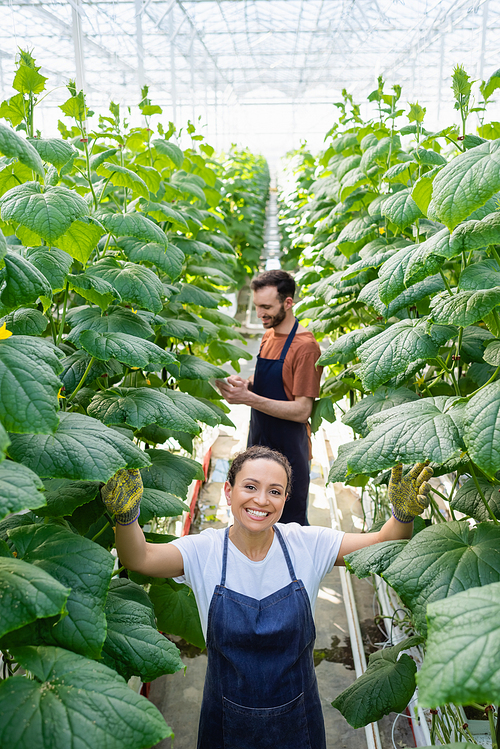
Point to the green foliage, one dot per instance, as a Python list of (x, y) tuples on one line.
[(121, 248)]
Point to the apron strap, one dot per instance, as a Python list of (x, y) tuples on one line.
[(286, 554), (288, 343), (224, 559)]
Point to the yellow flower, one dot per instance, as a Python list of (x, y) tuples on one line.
[(381, 230), (60, 395), (4, 333), (134, 310)]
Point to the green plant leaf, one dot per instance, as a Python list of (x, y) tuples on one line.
[(392, 274), (78, 564), (139, 407), (49, 214), (120, 176), (428, 257), (13, 146), (475, 343), (29, 384), (194, 407), (409, 297), (441, 561), (99, 158), (132, 225), (176, 611), (373, 560), (391, 352), (465, 307), (182, 330), (150, 175), (134, 283), (482, 428), (75, 366), (28, 593), (192, 294), (383, 399), (20, 488), (91, 697), (53, 151), (492, 353), (355, 234), (171, 473), (25, 322), (63, 496), (164, 212), (170, 259), (401, 209), (24, 282), (53, 263), (94, 289), (471, 235), (81, 238), (193, 368), (426, 429), (422, 189), (386, 686), (81, 448), (479, 276), (160, 504), (127, 349), (115, 320), (468, 500), (465, 184), (322, 409), (344, 349), (464, 631), (166, 148)]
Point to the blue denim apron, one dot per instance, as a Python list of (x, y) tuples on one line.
[(288, 437), (260, 687)]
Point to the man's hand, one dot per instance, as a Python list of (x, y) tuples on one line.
[(122, 495), (409, 495), (235, 390)]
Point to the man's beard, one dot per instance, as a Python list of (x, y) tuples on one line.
[(278, 318)]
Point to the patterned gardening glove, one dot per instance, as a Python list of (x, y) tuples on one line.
[(409, 495), (122, 495)]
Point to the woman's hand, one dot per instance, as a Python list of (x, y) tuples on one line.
[(122, 495), (409, 495)]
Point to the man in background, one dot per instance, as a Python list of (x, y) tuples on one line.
[(282, 390)]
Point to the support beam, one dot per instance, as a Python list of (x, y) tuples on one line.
[(173, 91), (483, 41), (140, 46), (78, 45)]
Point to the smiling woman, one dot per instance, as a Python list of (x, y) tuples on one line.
[(256, 585)]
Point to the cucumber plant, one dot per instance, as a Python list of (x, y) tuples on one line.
[(115, 260), (401, 270)]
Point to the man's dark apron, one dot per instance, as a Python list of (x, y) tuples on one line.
[(288, 437), (260, 687)]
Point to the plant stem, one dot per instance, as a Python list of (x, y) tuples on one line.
[(493, 377), (117, 572), (63, 318), (99, 533), (493, 731), (445, 281), (481, 494), (80, 384)]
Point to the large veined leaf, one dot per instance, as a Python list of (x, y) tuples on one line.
[(191, 294), (223, 352), (127, 349), (81, 448), (474, 342), (390, 353), (139, 407), (94, 289), (428, 257), (383, 399), (392, 274), (464, 634), (401, 209), (29, 322), (465, 307), (422, 189), (81, 238), (339, 470), (169, 259), (53, 150), (427, 429), (482, 428), (354, 235), (75, 367), (193, 368), (344, 349), (134, 283), (164, 212), (469, 501), (28, 593), (29, 384), (180, 329), (386, 686), (465, 184), (471, 235), (443, 560), (49, 214), (373, 560), (24, 282), (170, 473), (409, 297), (133, 644), (132, 225), (81, 700), (78, 564), (115, 320), (194, 407), (98, 158), (12, 145), (63, 496), (120, 176), (176, 611), (20, 488), (150, 175), (155, 503), (53, 263), (166, 148), (482, 275)]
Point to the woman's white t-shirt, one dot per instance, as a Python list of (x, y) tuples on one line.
[(313, 551)]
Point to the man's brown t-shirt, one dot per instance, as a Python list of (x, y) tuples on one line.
[(300, 376)]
